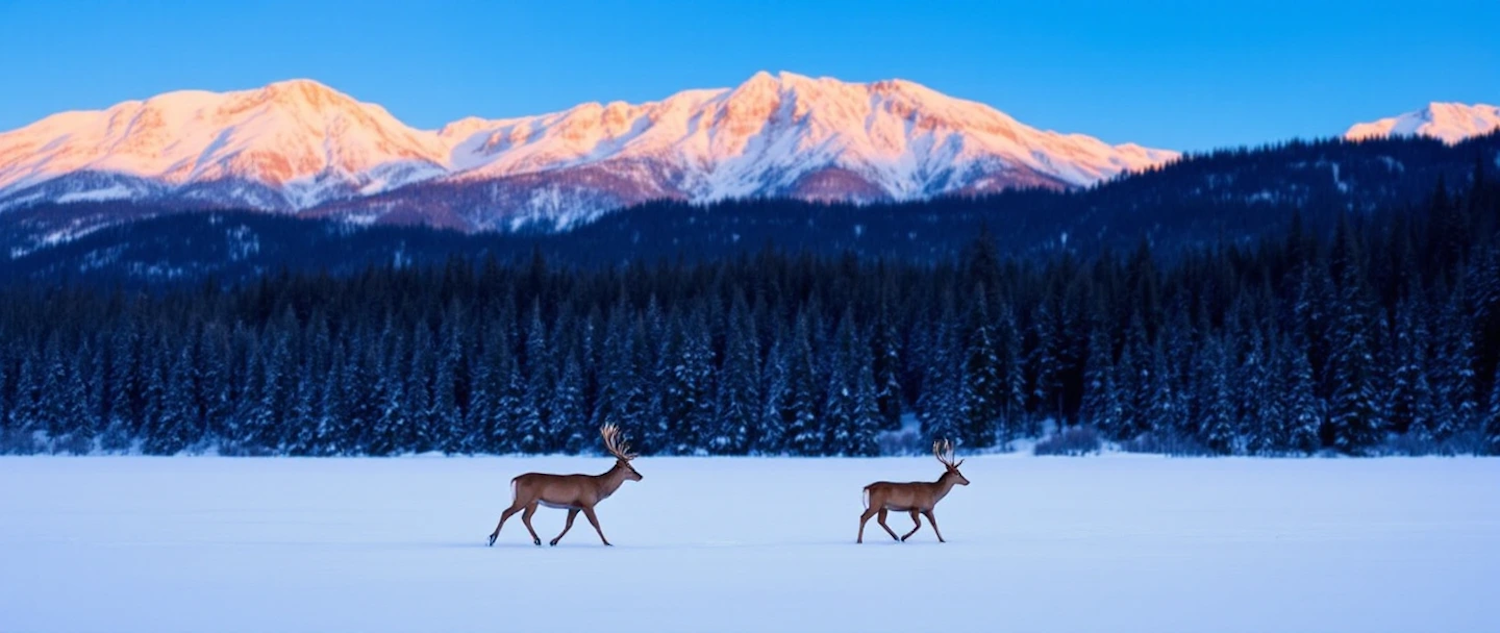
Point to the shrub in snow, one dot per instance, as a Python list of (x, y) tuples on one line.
[(907, 441), (1167, 444), (1078, 440), (1415, 444)]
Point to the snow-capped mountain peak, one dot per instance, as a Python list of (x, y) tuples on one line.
[(291, 144), (1448, 122), (298, 144), (788, 134)]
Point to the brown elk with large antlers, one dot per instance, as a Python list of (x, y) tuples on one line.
[(576, 493), (917, 497)]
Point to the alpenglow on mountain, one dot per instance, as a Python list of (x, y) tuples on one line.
[(1448, 122), (301, 147)]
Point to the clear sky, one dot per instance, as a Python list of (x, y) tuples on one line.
[(1182, 75)]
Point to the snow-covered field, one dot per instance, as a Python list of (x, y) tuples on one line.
[(1117, 543)]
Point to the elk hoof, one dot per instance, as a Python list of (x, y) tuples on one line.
[(537, 542), (492, 540), (552, 543)]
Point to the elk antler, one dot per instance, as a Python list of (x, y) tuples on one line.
[(943, 451), (614, 442)]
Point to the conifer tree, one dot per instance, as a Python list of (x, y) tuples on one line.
[(1453, 373), (1101, 400), (1490, 441), (983, 391), (803, 433), (1216, 398), (886, 366), (1305, 412), (775, 415), (1355, 411), (737, 404), (568, 424), (938, 407)]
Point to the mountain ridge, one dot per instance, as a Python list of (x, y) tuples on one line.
[(299, 145), (1449, 122)]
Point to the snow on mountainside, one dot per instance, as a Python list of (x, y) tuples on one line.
[(290, 145), (1448, 122), (299, 145)]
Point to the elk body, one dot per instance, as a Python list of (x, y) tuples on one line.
[(575, 493), (916, 498)]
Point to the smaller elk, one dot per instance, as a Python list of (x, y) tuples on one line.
[(576, 493), (915, 497)]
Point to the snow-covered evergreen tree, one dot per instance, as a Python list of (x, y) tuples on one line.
[(938, 406), (444, 416), (738, 401), (1169, 411), (1452, 373), (885, 345), (7, 438), (1046, 361), (983, 392), (804, 434), (1135, 379), (172, 416), (621, 395), (1253, 380), (568, 423), (418, 433), (333, 417), (1218, 425), (770, 435), (850, 411), (1305, 412), (77, 413), (1490, 442), (480, 413), (302, 420), (1355, 405), (1014, 420), (1411, 394), (1098, 407), (532, 432), (511, 406)]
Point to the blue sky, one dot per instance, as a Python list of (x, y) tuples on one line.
[(1167, 74)]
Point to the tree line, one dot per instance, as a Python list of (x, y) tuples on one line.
[(1378, 335)]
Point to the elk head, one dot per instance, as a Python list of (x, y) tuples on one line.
[(943, 451), (617, 446)]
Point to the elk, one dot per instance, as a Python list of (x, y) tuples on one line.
[(576, 493), (917, 497)]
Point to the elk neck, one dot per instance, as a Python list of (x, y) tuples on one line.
[(944, 484), (611, 480)]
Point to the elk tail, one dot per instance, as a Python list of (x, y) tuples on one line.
[(865, 498)]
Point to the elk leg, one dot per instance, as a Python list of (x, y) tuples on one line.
[(526, 518), (933, 520), (594, 521), (915, 518), (572, 514), (888, 529), (509, 512), (869, 512)]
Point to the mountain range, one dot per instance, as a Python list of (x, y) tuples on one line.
[(299, 147), (1448, 122)]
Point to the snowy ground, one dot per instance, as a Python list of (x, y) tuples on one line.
[(1118, 543)]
